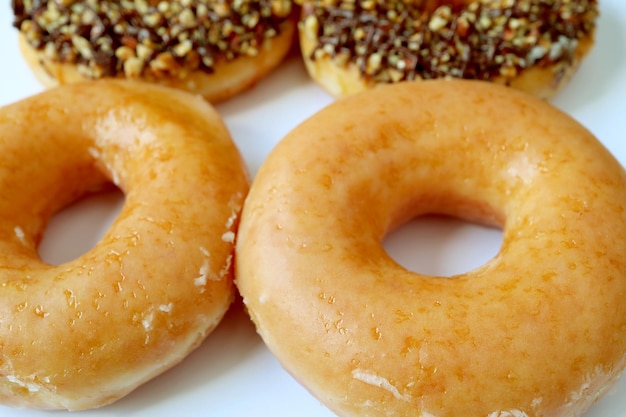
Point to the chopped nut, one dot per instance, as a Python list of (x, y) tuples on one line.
[(133, 67), (50, 51), (183, 48), (484, 22), (124, 53), (280, 7), (187, 18), (152, 19), (373, 63), (83, 46), (311, 24), (437, 23), (508, 72), (144, 52)]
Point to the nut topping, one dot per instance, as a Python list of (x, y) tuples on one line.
[(391, 40), (148, 38)]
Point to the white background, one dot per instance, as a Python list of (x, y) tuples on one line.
[(232, 374)]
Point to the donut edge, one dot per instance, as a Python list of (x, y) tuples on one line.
[(228, 80)]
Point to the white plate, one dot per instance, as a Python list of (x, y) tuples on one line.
[(232, 374)]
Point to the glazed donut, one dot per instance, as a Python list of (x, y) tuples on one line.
[(87, 332), (533, 45), (216, 49), (536, 331)]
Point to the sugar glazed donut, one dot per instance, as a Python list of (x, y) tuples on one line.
[(533, 45), (213, 48), (539, 330), (84, 333)]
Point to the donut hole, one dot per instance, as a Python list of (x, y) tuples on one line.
[(76, 228), (442, 246)]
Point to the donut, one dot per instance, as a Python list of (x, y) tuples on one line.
[(215, 49), (532, 45), (84, 333), (538, 330)]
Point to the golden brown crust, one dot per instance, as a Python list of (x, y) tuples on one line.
[(536, 331), (87, 332), (229, 78), (338, 71)]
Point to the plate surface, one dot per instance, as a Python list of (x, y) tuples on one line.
[(232, 374)]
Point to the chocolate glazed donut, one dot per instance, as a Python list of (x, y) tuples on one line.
[(533, 45), (216, 49)]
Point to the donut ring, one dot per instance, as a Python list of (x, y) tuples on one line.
[(85, 333), (532, 45), (538, 330), (215, 49)]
